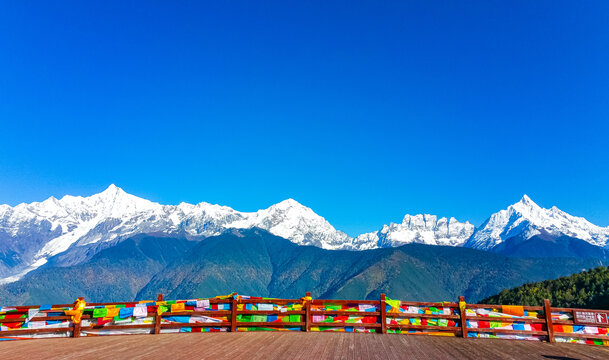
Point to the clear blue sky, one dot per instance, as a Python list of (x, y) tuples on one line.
[(363, 111)]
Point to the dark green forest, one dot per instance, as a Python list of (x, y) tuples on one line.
[(587, 289)]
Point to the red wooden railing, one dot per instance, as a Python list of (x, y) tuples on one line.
[(381, 316)]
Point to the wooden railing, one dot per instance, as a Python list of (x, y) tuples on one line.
[(236, 313)]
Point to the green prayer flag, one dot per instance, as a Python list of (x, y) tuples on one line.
[(259, 318), (244, 318), (97, 313)]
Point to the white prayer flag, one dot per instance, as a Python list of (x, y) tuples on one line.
[(203, 303), (265, 307)]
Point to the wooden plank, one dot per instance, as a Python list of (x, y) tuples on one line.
[(118, 327), (26, 313), (485, 306), (37, 318), (210, 324), (211, 301), (308, 313), (26, 307), (342, 324), (204, 313), (34, 331), (563, 322), (264, 312), (504, 319), (220, 301), (509, 331), (157, 318), (76, 329), (116, 303), (548, 315), (422, 316), (425, 327), (341, 313), (269, 301), (344, 302), (430, 304), (463, 316), (269, 324), (76, 325), (233, 318), (583, 336), (383, 307)]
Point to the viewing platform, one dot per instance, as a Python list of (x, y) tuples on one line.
[(293, 345)]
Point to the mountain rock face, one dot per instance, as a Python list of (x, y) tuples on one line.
[(255, 262), (525, 220), (418, 229)]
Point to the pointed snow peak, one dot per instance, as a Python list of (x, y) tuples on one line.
[(51, 200), (526, 200), (287, 203), (113, 190), (113, 194), (526, 205)]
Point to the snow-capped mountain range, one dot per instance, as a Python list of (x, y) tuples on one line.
[(32, 234)]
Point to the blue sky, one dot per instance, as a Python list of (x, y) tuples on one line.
[(362, 111)]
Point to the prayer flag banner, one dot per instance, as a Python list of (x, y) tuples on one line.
[(305, 314)]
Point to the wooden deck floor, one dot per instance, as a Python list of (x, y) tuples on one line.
[(268, 345)]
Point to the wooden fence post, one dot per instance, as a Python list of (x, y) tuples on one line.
[(76, 325), (233, 318), (549, 324), (157, 316), (308, 313), (463, 316), (383, 315)]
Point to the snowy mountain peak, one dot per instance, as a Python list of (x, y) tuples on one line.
[(296, 222), (526, 201), (526, 219), (112, 189), (527, 206), (422, 228), (288, 203)]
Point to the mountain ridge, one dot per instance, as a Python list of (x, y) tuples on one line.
[(255, 262), (72, 229)]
